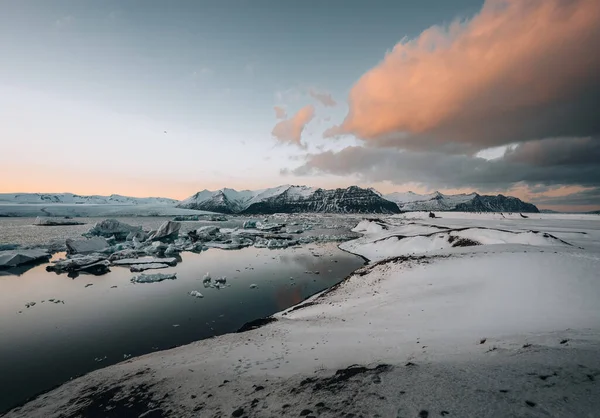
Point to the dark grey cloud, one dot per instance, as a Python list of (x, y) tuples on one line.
[(557, 151), (532, 164), (583, 198)]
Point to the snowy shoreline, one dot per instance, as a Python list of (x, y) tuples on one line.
[(496, 329)]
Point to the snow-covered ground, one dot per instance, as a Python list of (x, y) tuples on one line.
[(505, 324)]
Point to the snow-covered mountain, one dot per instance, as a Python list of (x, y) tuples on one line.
[(70, 198), (291, 199), (472, 202)]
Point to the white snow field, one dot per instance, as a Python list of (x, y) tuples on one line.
[(508, 327)]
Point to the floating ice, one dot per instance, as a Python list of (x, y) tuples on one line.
[(153, 278), (253, 286), (55, 222), (13, 258), (167, 231), (93, 264), (250, 224), (171, 261), (136, 268), (196, 294), (110, 227), (83, 246)]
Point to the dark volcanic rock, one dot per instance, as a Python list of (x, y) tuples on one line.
[(498, 203), (350, 200)]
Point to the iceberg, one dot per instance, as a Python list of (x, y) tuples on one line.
[(93, 264), (110, 227), (39, 221), (91, 245), (137, 235), (136, 268), (171, 261), (250, 224), (13, 258), (167, 231), (153, 278), (196, 294)]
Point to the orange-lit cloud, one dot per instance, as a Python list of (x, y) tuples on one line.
[(518, 70), (324, 98), (280, 112), (290, 130)]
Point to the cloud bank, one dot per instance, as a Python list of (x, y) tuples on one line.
[(519, 70)]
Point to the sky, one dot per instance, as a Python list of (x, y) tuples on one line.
[(162, 98)]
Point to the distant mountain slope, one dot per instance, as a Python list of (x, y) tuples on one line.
[(57, 198), (472, 202), (291, 199)]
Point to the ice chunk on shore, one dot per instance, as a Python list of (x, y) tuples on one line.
[(136, 268), (153, 278), (167, 231), (109, 227), (196, 294), (13, 258), (83, 246)]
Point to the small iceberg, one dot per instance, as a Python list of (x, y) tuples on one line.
[(153, 278), (196, 294)]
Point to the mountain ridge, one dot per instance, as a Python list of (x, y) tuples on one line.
[(297, 199)]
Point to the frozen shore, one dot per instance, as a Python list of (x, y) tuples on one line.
[(508, 325)]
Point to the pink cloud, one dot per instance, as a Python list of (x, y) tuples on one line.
[(518, 70), (280, 112), (290, 130)]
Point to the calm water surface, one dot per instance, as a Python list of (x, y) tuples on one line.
[(98, 325)]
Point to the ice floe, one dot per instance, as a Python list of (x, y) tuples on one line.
[(153, 278), (196, 294), (14, 258), (83, 246), (136, 268), (40, 221)]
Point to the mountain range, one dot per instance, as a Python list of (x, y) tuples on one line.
[(292, 199), (471, 202), (295, 199)]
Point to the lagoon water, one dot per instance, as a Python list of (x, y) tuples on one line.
[(105, 319)]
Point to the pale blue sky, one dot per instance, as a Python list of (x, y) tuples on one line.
[(88, 87)]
